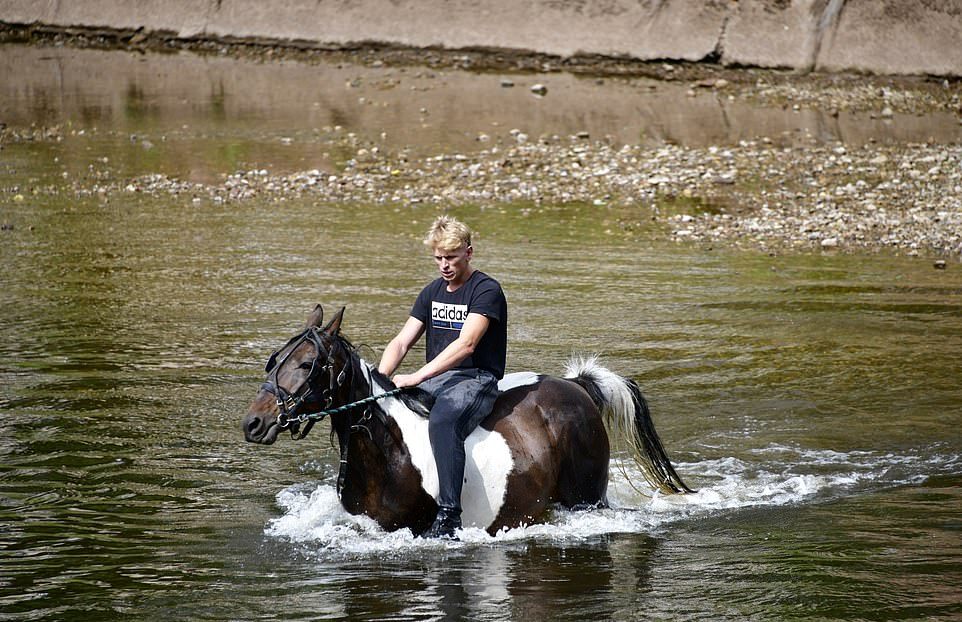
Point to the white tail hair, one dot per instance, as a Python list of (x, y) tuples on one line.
[(629, 421)]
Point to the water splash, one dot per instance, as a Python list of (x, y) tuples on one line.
[(315, 521)]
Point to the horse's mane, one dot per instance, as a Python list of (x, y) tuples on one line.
[(414, 399)]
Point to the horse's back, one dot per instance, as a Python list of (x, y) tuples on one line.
[(553, 399)]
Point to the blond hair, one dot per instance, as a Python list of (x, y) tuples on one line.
[(448, 233)]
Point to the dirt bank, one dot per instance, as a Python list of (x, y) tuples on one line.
[(909, 37), (905, 199)]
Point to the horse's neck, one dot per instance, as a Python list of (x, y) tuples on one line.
[(368, 449)]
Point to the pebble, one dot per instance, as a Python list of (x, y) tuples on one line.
[(761, 194), (903, 199)]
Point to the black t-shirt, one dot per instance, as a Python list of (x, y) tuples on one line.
[(444, 313)]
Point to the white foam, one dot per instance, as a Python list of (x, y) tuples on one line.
[(315, 519)]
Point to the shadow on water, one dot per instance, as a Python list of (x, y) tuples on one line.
[(519, 582), (534, 582)]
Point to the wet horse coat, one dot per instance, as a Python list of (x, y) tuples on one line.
[(545, 441)]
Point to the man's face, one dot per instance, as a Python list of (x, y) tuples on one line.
[(454, 266)]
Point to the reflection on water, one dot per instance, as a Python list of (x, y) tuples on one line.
[(521, 576), (812, 399), (197, 117)]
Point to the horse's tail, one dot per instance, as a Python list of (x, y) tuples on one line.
[(626, 411)]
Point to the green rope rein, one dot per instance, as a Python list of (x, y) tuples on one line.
[(304, 418)]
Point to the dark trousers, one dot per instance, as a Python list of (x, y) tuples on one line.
[(463, 398)]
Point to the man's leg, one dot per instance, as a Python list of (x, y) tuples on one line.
[(463, 399)]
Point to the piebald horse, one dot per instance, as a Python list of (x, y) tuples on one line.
[(544, 443)]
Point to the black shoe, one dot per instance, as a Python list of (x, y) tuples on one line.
[(445, 524)]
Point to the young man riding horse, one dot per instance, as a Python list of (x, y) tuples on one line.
[(464, 314)]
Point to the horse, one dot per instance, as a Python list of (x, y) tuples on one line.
[(544, 443)]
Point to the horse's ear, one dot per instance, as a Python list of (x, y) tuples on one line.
[(334, 325), (316, 317)]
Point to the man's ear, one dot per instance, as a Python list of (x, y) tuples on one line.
[(334, 326)]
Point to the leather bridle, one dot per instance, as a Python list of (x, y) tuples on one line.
[(290, 402)]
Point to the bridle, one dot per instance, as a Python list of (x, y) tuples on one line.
[(289, 402)]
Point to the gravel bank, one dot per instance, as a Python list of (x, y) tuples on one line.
[(905, 199), (779, 194)]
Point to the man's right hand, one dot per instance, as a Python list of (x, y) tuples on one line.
[(405, 380)]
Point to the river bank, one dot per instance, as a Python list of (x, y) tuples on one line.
[(833, 92), (698, 153), (905, 199)]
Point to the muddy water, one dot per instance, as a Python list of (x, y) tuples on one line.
[(813, 400)]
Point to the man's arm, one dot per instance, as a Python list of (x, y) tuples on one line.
[(398, 348), (458, 350)]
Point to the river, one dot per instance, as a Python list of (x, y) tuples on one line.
[(813, 399)]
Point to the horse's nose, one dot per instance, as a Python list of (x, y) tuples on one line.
[(253, 428)]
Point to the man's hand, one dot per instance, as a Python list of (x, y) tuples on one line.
[(449, 358), (406, 380)]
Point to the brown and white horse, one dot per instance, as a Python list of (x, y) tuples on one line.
[(544, 443)]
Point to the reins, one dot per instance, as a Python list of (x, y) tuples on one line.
[(285, 421)]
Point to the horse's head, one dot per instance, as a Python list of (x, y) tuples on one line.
[(305, 376)]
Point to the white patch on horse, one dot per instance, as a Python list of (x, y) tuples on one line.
[(486, 471), (487, 465), (517, 379)]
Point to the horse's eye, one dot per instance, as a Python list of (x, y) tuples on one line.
[(306, 365)]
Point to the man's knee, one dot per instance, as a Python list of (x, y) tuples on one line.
[(458, 411)]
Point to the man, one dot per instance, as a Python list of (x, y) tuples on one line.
[(465, 316)]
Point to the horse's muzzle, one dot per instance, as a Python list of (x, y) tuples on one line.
[(260, 425), (260, 429)]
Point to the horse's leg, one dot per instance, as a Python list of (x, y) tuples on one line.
[(583, 477), (530, 486), (382, 483), (531, 483)]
